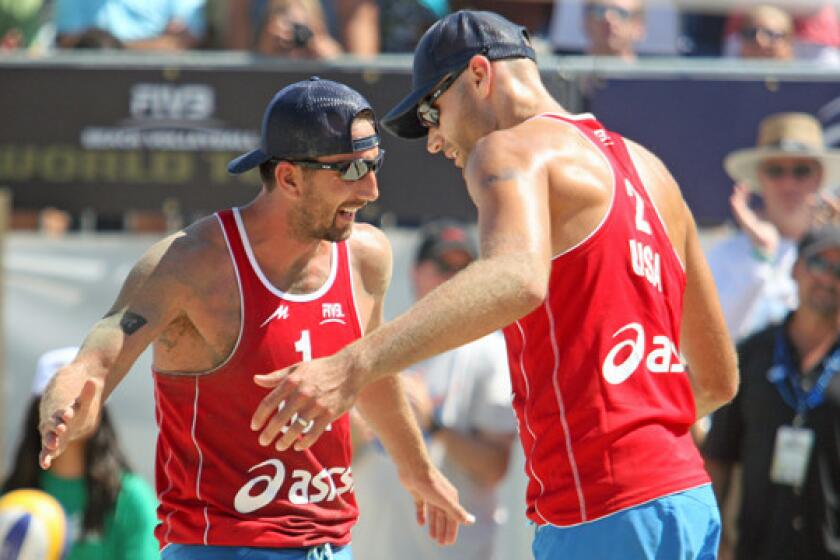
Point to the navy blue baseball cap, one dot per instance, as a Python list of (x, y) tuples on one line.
[(446, 47), (308, 119)]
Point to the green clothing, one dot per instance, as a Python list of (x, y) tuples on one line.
[(24, 15), (129, 530)]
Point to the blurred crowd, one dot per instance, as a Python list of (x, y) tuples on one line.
[(322, 29)]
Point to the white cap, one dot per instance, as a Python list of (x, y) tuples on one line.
[(48, 364)]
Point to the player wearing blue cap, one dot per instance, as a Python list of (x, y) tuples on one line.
[(287, 278), (591, 264)]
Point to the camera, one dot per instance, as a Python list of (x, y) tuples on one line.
[(302, 35)]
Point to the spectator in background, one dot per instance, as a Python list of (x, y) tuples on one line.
[(782, 426), (766, 32), (614, 27), (660, 25), (369, 27), (110, 510), (816, 30), (786, 171), (462, 402), (20, 22), (163, 25), (296, 29)]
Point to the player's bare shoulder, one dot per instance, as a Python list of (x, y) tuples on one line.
[(371, 257)]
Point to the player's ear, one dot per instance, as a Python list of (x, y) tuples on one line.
[(480, 72), (288, 179)]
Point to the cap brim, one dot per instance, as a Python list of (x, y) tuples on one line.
[(402, 120), (247, 161)]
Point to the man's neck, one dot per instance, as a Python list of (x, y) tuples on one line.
[(812, 335), (283, 257)]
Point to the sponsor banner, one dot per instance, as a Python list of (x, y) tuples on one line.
[(84, 136)]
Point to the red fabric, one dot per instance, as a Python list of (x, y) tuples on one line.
[(216, 484), (593, 446)]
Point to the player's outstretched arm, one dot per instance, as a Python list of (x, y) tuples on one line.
[(508, 281), (73, 399)]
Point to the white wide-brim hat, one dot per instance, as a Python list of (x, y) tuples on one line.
[(784, 135)]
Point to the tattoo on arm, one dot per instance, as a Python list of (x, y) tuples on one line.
[(131, 322), (505, 175)]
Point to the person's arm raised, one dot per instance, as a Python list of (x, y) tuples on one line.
[(147, 303), (507, 282)]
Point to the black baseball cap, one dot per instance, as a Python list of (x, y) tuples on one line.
[(440, 237), (818, 240), (308, 119), (446, 47)]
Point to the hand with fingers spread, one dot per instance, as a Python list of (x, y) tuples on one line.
[(304, 399), (436, 504), (65, 418), (763, 234)]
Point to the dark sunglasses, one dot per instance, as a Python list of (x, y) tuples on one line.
[(751, 33), (600, 11), (816, 264), (799, 171), (350, 170), (427, 114)]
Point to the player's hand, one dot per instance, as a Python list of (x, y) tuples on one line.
[(303, 401), (436, 505), (763, 234), (63, 419)]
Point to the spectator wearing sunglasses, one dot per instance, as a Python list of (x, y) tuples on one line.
[(766, 32), (782, 426), (814, 31), (614, 27), (462, 402), (778, 196), (284, 279)]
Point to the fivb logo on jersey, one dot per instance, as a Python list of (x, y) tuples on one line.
[(330, 313)]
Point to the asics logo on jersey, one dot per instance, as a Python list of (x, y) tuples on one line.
[(282, 312), (662, 358), (304, 487), (332, 313), (602, 135)]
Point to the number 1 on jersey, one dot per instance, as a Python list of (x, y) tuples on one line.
[(303, 345)]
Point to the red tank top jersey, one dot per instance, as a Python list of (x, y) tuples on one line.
[(603, 402), (216, 485)]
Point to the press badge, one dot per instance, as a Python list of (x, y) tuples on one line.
[(791, 455)]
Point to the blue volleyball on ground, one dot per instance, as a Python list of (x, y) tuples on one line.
[(32, 526)]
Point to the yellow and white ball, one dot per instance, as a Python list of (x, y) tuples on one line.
[(32, 526)]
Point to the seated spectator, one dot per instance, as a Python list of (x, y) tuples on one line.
[(782, 426), (110, 511), (766, 32), (390, 26), (166, 25), (816, 31), (296, 29), (613, 27), (786, 173), (660, 26), (19, 23)]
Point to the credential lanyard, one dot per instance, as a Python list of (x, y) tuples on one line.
[(785, 376)]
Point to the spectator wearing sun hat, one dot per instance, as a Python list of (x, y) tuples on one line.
[(787, 173)]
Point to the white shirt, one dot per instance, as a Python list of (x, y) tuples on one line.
[(753, 292), (470, 387)]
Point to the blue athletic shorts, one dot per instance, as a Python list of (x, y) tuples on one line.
[(682, 526), (199, 552)]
